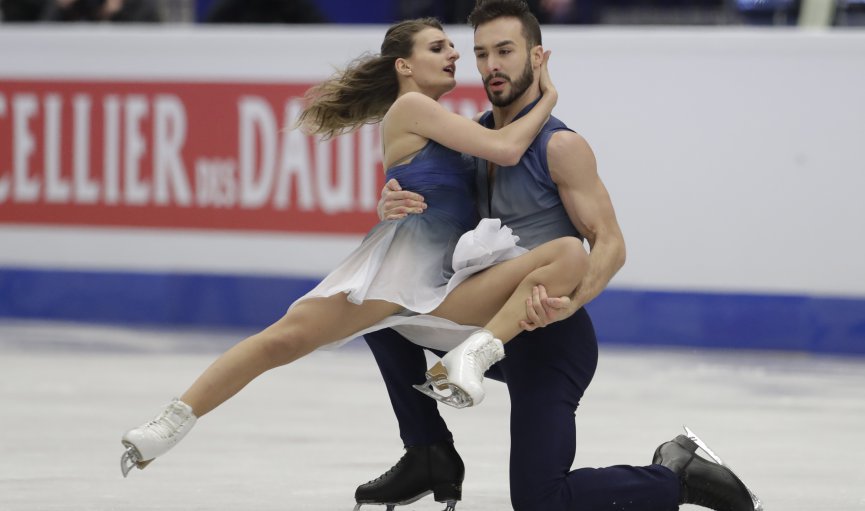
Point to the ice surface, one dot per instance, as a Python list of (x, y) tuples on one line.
[(303, 437)]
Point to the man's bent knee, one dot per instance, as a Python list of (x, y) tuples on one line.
[(532, 499)]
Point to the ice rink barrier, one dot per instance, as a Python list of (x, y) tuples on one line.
[(148, 175)]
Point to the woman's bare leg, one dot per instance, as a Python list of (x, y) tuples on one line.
[(496, 297), (306, 327)]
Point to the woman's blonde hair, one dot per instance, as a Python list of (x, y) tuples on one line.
[(363, 92)]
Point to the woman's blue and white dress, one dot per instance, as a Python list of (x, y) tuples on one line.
[(416, 261)]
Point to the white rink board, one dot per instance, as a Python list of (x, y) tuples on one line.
[(734, 156)]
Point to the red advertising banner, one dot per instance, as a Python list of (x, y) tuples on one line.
[(184, 155)]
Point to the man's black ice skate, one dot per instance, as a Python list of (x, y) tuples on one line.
[(436, 469), (705, 483)]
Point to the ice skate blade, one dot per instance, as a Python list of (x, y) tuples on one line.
[(439, 388), (450, 505), (758, 506), (130, 459), (457, 397)]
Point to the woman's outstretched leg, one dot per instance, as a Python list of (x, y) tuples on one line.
[(307, 326), (496, 299)]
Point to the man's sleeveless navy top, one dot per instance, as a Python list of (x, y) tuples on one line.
[(524, 196)]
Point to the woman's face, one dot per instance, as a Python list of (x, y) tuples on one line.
[(433, 62)]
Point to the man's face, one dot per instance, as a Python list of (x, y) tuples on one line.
[(503, 60)]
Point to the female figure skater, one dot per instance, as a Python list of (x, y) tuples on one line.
[(402, 273)]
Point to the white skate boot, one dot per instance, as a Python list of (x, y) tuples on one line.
[(461, 371), (155, 438)]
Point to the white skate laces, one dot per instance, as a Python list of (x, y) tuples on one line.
[(155, 438), (461, 371)]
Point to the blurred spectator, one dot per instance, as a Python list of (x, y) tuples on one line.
[(768, 12), (547, 11), (851, 13), (447, 11), (22, 10), (669, 12), (582, 12), (137, 11), (264, 11)]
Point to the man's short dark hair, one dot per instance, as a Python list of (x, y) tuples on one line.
[(488, 10)]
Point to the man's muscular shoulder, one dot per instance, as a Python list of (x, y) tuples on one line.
[(570, 157)]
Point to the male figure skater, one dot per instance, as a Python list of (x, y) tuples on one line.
[(554, 191)]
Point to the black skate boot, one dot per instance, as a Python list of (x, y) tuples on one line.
[(422, 470), (705, 483)]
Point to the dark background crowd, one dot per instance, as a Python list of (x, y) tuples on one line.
[(581, 12)]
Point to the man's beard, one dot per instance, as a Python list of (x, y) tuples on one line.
[(518, 87)]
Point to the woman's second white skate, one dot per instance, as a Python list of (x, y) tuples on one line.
[(155, 438), (458, 379)]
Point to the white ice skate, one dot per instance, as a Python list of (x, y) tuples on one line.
[(461, 371), (155, 438)]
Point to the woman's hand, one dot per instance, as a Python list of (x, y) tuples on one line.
[(546, 83)]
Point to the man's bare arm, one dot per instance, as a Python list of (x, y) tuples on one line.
[(574, 170)]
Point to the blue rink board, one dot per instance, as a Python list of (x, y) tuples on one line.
[(623, 316)]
